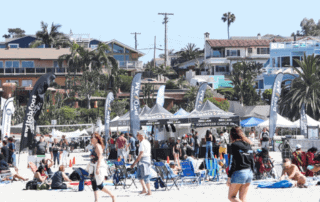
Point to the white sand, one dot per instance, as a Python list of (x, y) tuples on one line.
[(209, 191)]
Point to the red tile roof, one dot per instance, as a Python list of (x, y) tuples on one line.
[(238, 43)]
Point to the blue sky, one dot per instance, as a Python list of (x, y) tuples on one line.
[(106, 20)]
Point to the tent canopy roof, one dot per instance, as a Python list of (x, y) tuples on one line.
[(181, 112), (281, 122), (251, 122), (209, 107), (311, 122)]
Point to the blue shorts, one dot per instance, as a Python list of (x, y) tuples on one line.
[(242, 176), (146, 178)]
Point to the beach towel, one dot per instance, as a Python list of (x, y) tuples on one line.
[(272, 185)]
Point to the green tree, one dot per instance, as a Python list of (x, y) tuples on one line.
[(242, 77), (52, 37), (174, 108), (180, 81), (224, 105), (125, 83), (14, 33), (119, 107), (309, 27), (230, 18), (171, 85), (189, 52), (303, 89), (267, 95), (228, 93), (190, 97)]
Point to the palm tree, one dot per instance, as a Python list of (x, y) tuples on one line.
[(52, 38), (189, 52), (228, 17), (303, 89)]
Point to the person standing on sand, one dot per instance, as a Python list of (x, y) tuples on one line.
[(240, 171)]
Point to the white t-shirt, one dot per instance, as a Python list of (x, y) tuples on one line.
[(145, 146), (226, 135)]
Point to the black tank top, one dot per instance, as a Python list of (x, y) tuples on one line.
[(208, 139), (94, 156), (57, 179)]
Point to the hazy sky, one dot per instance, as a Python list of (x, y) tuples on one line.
[(106, 20)]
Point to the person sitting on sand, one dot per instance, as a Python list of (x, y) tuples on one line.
[(58, 177), (313, 166), (40, 174), (14, 171), (299, 159), (293, 173)]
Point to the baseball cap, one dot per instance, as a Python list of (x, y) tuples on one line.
[(178, 138), (298, 146), (171, 163)]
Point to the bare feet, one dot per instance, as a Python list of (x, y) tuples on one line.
[(148, 194), (26, 179), (113, 198), (143, 192)]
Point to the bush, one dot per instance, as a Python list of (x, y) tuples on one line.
[(228, 93), (224, 104), (171, 85), (125, 83)]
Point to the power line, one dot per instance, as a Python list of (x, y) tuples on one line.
[(165, 21), (135, 39)]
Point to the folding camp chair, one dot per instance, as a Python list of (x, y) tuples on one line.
[(5, 173), (121, 176), (166, 175), (189, 174), (84, 175), (212, 165)]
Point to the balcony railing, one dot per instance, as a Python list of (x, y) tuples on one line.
[(34, 71), (295, 45), (130, 64)]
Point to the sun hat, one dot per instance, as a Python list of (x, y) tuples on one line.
[(298, 146)]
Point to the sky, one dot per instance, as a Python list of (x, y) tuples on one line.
[(106, 20)]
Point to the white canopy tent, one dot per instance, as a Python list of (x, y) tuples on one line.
[(281, 122), (77, 133), (311, 122)]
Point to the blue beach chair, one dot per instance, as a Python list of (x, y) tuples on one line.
[(189, 174), (166, 175)]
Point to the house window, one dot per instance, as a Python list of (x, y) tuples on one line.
[(294, 63), (26, 83), (263, 51), (285, 61), (127, 51), (10, 64), (94, 46), (55, 64), (27, 64), (110, 47), (249, 50), (233, 52), (12, 81), (273, 62), (118, 57), (2, 46), (13, 45), (1, 64), (221, 69), (126, 58), (42, 46), (117, 49)]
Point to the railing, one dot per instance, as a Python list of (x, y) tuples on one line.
[(295, 45), (34, 71), (130, 64)]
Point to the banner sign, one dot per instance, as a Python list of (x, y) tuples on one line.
[(160, 95), (200, 96), (33, 109), (303, 121), (107, 109), (208, 122), (8, 110), (135, 104), (276, 92)]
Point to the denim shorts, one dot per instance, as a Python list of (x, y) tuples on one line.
[(242, 176)]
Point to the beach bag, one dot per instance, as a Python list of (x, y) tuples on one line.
[(74, 176), (31, 185), (43, 186)]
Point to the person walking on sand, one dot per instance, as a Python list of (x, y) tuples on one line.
[(143, 163), (240, 171), (98, 168)]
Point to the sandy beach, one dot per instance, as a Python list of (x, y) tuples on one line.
[(213, 191)]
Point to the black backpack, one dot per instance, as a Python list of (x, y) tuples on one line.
[(31, 185), (75, 176)]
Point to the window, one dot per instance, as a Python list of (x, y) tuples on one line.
[(55, 64), (110, 46), (221, 69), (127, 58), (13, 45), (127, 51), (249, 50), (41, 46), (294, 63), (285, 61), (117, 49), (26, 83), (12, 81), (233, 52), (2, 46), (118, 57), (273, 62), (27, 64), (263, 51), (94, 46), (1, 64), (10, 64)]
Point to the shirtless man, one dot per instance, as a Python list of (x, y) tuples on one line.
[(293, 173)]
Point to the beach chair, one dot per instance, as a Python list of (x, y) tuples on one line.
[(211, 165), (166, 175), (189, 174), (84, 176), (4, 174), (121, 176)]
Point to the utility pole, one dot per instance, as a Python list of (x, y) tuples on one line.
[(165, 36), (154, 53), (135, 38)]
